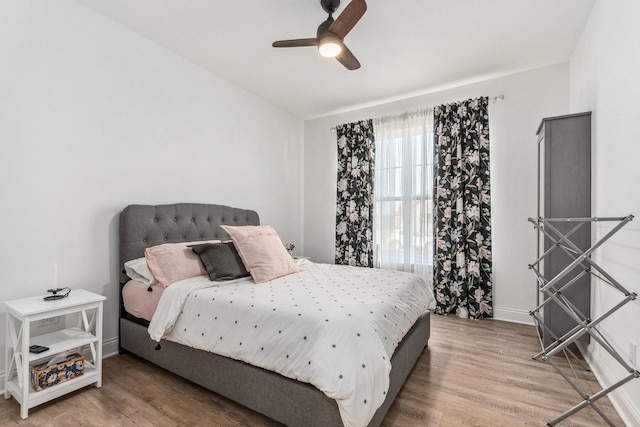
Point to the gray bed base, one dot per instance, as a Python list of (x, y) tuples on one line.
[(285, 400)]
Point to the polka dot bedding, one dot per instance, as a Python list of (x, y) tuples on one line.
[(335, 327)]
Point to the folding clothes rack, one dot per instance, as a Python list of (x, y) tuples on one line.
[(552, 292)]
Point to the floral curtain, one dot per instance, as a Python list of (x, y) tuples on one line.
[(354, 208), (462, 241)]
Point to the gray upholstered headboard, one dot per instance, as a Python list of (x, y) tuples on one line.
[(142, 226)]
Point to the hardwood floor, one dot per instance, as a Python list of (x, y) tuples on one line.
[(475, 373)]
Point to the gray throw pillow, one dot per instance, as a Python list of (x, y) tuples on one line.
[(221, 260)]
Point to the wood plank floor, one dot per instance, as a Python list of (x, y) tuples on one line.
[(475, 373)]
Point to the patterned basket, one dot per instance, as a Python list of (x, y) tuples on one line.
[(43, 376)]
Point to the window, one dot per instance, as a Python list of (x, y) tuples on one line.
[(403, 187)]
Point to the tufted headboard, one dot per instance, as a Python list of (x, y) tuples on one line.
[(142, 226)]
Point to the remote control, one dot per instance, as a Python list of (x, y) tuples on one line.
[(37, 348)]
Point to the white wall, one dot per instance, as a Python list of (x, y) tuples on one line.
[(94, 117), (513, 123), (604, 79)]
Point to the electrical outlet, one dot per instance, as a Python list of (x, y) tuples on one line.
[(632, 354), (48, 321)]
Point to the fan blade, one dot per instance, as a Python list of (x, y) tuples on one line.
[(348, 18), (348, 59), (296, 43)]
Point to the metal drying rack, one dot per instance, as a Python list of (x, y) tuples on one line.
[(553, 293)]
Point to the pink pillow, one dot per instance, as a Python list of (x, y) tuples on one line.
[(262, 251), (171, 262)]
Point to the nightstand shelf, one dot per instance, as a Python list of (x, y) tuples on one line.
[(59, 341), (35, 398), (87, 309)]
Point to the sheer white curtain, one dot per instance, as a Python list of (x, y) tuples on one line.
[(403, 193)]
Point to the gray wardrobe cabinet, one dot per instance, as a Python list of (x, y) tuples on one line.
[(564, 191)]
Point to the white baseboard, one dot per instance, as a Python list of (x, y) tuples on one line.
[(628, 410), (109, 348), (511, 315)]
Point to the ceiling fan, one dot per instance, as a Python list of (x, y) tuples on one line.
[(330, 34)]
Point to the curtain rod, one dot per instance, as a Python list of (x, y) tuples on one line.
[(492, 99)]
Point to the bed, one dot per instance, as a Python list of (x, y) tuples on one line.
[(286, 400)]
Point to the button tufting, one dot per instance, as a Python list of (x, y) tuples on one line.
[(165, 239), (155, 219), (144, 240), (193, 220), (175, 219)]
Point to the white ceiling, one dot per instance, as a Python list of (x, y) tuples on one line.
[(406, 47)]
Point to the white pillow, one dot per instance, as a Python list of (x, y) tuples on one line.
[(137, 269)]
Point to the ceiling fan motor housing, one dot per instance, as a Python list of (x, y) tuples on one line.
[(323, 28)]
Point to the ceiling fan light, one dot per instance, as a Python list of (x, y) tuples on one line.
[(330, 46)]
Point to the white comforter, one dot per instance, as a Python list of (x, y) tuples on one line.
[(335, 327)]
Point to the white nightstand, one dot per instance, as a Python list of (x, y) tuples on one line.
[(21, 313)]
